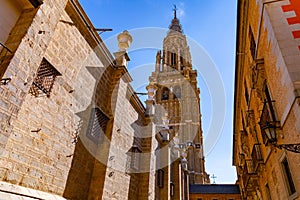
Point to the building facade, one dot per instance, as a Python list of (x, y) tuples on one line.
[(266, 107), (64, 98), (72, 126)]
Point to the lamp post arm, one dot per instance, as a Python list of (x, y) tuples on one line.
[(289, 147)]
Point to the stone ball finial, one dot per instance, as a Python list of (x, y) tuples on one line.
[(124, 40)]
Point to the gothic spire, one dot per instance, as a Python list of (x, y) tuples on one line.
[(175, 24)]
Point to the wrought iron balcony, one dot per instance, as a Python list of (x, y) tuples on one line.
[(247, 172), (256, 157)]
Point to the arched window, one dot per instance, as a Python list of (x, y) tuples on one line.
[(177, 92), (165, 94), (173, 59)]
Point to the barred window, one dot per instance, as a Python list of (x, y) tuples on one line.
[(44, 80), (97, 125)]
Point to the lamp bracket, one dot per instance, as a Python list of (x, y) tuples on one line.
[(289, 147)]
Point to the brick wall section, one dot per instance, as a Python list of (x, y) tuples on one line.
[(103, 99), (117, 180), (111, 178), (24, 63), (147, 180), (26, 59), (42, 159), (79, 177)]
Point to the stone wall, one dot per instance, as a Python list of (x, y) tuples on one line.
[(270, 67), (38, 134), (43, 142), (125, 128)]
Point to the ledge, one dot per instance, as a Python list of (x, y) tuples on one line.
[(10, 191)]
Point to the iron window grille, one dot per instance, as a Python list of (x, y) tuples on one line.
[(97, 126), (44, 80)]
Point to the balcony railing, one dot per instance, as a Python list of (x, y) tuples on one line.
[(247, 172), (256, 156)]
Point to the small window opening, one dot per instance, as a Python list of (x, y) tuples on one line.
[(44, 80)]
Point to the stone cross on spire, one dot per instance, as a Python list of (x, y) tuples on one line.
[(174, 9), (175, 25)]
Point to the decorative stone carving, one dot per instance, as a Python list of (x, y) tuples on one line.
[(244, 144), (257, 76)]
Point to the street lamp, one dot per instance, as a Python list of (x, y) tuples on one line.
[(270, 131)]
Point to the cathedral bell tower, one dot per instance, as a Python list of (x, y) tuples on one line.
[(174, 101)]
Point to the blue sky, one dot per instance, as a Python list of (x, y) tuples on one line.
[(209, 24)]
